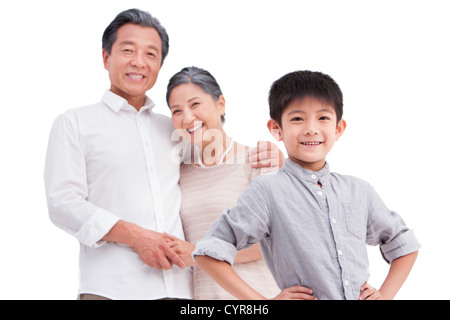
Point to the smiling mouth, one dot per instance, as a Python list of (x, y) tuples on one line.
[(135, 76), (195, 129), (311, 143)]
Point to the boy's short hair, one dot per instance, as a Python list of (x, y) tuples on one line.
[(300, 84)]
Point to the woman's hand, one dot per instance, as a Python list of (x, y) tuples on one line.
[(296, 293), (266, 156), (183, 248)]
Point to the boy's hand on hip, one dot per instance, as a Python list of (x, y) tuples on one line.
[(369, 293), (296, 293)]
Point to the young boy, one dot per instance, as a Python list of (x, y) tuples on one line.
[(312, 225)]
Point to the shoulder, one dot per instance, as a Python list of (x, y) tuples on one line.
[(161, 117), (162, 121), (81, 112), (271, 182), (352, 184), (72, 117)]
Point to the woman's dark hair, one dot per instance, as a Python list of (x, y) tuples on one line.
[(300, 84), (199, 77), (137, 17)]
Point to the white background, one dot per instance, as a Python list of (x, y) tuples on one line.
[(391, 59)]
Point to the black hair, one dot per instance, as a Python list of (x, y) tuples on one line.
[(300, 84), (137, 17)]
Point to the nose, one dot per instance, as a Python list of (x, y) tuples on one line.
[(138, 60), (189, 116), (311, 128)]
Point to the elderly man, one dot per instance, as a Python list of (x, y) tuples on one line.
[(110, 179)]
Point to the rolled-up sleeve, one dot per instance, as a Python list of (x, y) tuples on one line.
[(237, 228), (216, 248), (387, 229)]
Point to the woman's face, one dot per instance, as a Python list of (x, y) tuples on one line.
[(195, 114)]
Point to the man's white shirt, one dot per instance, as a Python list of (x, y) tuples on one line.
[(107, 162)]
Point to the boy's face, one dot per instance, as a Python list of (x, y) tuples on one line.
[(308, 131)]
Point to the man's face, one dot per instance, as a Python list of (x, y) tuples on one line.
[(134, 62)]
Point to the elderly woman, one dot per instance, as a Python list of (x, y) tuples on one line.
[(213, 181)]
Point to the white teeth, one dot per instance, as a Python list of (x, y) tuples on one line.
[(136, 76), (311, 143), (195, 128)]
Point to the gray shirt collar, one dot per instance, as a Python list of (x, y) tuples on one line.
[(293, 168)]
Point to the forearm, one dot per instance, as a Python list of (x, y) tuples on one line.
[(124, 232), (250, 254), (227, 278), (398, 272), (151, 246)]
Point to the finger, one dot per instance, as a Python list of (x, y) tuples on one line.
[(175, 258), (162, 260), (299, 289), (366, 294), (263, 150), (261, 146), (264, 146), (169, 236), (365, 286), (376, 295), (262, 164)]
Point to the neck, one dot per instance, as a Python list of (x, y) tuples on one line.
[(214, 153), (313, 166), (135, 101)]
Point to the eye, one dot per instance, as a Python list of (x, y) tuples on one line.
[(176, 111), (195, 104), (297, 119), (324, 118)]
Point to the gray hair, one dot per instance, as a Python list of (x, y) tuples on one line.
[(199, 77), (137, 17)]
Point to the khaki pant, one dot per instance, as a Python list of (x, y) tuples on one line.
[(88, 296)]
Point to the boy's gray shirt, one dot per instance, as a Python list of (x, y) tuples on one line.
[(310, 235)]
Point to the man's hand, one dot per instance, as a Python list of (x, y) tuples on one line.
[(151, 246), (296, 293), (154, 250), (266, 155)]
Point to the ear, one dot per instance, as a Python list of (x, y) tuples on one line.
[(340, 128), (221, 105), (275, 130), (105, 59)]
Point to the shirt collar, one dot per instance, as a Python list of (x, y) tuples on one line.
[(116, 102), (307, 175)]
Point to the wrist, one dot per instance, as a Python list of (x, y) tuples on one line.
[(124, 232)]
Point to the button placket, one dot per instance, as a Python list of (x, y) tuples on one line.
[(152, 174)]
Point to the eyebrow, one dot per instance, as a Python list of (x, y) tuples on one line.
[(301, 111), (175, 105), (129, 42)]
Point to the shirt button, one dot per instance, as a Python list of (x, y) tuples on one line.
[(340, 252), (313, 176), (334, 221), (346, 282), (320, 193)]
